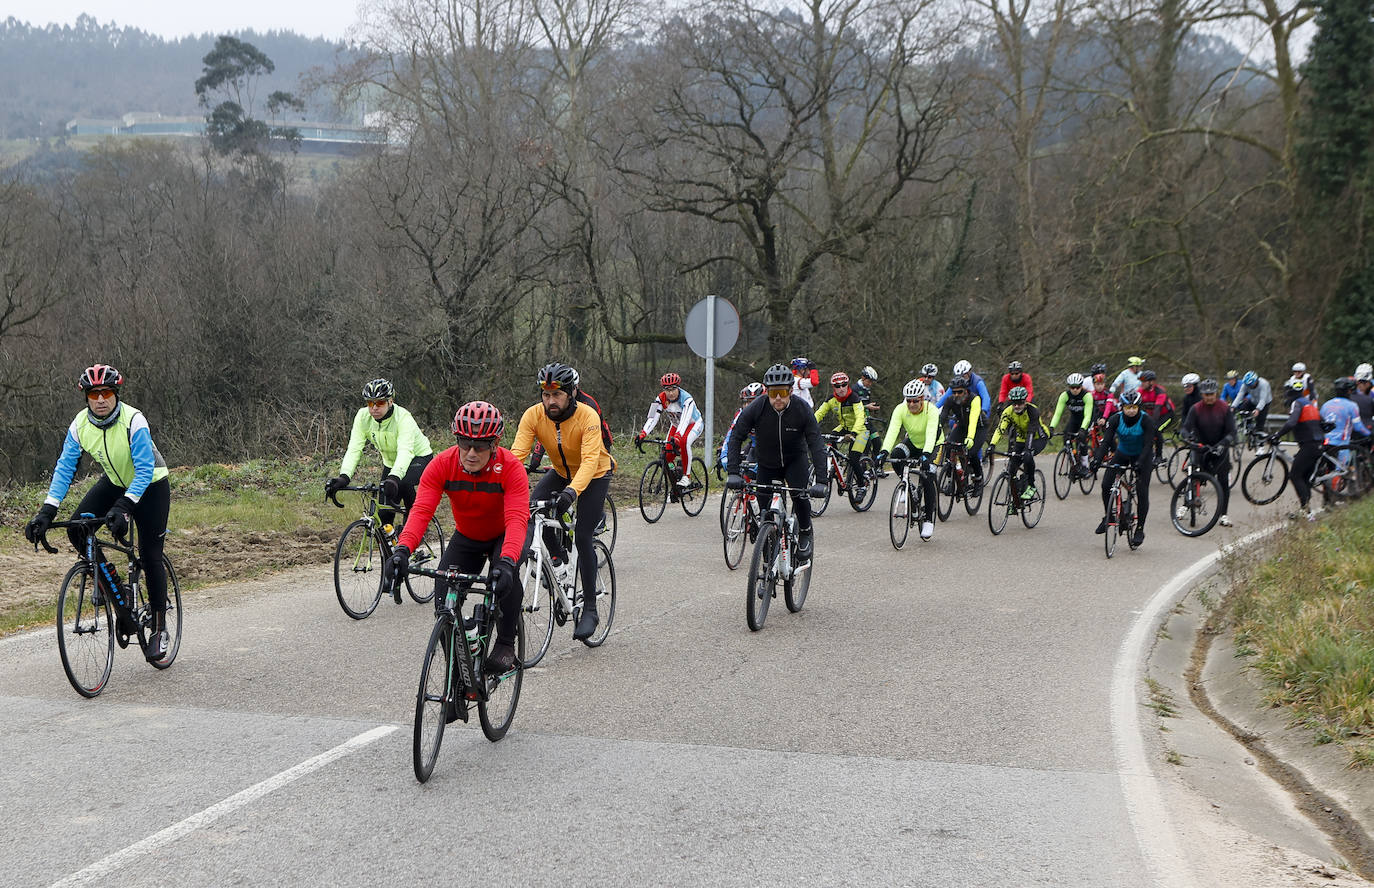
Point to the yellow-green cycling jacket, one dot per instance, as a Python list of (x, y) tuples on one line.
[(397, 437), (921, 428), (1020, 426), (850, 414)]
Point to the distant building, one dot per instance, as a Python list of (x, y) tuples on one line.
[(328, 138)]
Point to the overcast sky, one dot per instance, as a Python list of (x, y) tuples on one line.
[(177, 18)]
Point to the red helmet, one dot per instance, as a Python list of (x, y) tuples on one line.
[(839, 379), (670, 378), (100, 376), (478, 419)]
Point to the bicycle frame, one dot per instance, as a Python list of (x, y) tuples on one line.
[(779, 512), (123, 596), (467, 667)]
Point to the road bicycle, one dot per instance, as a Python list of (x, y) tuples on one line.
[(1267, 475), (659, 484), (96, 611), (1196, 504), (1121, 515), (954, 483), (551, 594), (1008, 494), (607, 529), (842, 476), (366, 543), (775, 556), (1071, 465), (453, 676), (908, 502), (739, 519)]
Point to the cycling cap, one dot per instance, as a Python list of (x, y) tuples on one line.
[(839, 379), (1191, 379), (478, 419), (1130, 399), (1074, 379), (930, 370), (869, 373), (1135, 360), (1250, 378), (800, 363), (914, 389), (1207, 387), (777, 375), (962, 367), (1014, 367), (1147, 375), (379, 390), (1299, 367), (557, 376), (751, 391), (959, 382), (1364, 373), (1018, 394), (1231, 374), (1343, 386), (669, 379), (100, 376)]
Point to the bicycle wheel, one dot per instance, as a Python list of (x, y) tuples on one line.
[(693, 499), (1129, 519), (497, 711), (173, 618), (868, 477), (1000, 505), (899, 525), (1265, 478), (605, 595), (1113, 521), (609, 526), (430, 550), (358, 570), (944, 491), (653, 491), (1032, 509), (794, 590), (85, 632), (1177, 465), (1063, 463), (973, 495), (431, 701), (734, 526), (536, 609), (762, 580), (1086, 481), (1237, 452), (821, 503), (1196, 504)]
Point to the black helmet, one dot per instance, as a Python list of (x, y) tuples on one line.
[(1147, 375), (1208, 387), (1130, 399), (1097, 368), (557, 376), (778, 374), (379, 390), (959, 382), (1343, 386), (100, 376)]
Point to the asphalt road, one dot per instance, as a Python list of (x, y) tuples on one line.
[(940, 715)]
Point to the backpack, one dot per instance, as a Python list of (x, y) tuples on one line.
[(606, 436)]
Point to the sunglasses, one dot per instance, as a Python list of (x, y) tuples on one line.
[(99, 394), (915, 402), (551, 386), (381, 403), (779, 391), (480, 445)]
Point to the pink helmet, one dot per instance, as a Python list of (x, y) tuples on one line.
[(100, 376), (478, 419)]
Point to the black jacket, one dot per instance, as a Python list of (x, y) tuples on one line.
[(779, 438)]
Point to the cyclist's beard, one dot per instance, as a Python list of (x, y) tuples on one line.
[(559, 415)]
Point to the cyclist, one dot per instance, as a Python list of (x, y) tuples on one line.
[(975, 384), (1343, 415), (1364, 383), (1127, 441), (1127, 380), (863, 387), (1300, 374), (1104, 402), (1015, 375), (935, 390), (963, 419), (685, 420), (1211, 422), (746, 397), (1026, 436), (488, 491), (915, 420), (786, 433), (1254, 394), (404, 449), (1305, 422), (1191, 395), (1228, 391), (805, 377), (570, 432), (1157, 405), (852, 420), (1075, 406), (133, 487)]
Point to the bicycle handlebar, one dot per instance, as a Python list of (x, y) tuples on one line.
[(362, 488), (640, 442), (451, 575), (87, 522)]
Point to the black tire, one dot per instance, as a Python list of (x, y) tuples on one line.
[(1087, 482), (173, 618), (794, 590), (869, 477), (497, 711), (1196, 504), (693, 499), (1132, 519), (762, 581), (1237, 454), (1113, 524), (734, 526), (1033, 510), (973, 496), (1063, 463), (653, 491), (1265, 479), (999, 504), (1162, 470), (1177, 465), (820, 503), (536, 608), (944, 491), (609, 527), (358, 569), (85, 632), (898, 528), (427, 554), (431, 700), (605, 595)]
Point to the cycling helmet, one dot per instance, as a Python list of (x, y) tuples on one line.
[(379, 390), (1074, 379), (1135, 360), (1207, 387), (1364, 373), (751, 391), (1097, 368), (1018, 394), (962, 367), (869, 373), (558, 376), (930, 370), (1014, 367), (777, 375), (1147, 375), (1191, 379), (1231, 374), (478, 419), (1130, 399), (670, 379), (1343, 386), (100, 376), (840, 379), (1299, 367), (799, 363), (916, 388), (959, 382), (1250, 378)]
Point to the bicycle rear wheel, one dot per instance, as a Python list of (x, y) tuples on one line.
[(497, 711), (609, 527), (899, 526), (1035, 507), (428, 554), (431, 702), (536, 609), (734, 526), (1063, 464), (762, 580), (820, 503), (605, 595), (1265, 478), (1196, 504), (999, 504), (973, 494), (1113, 522), (85, 632), (693, 498), (653, 491), (866, 477), (173, 618), (357, 570), (1086, 481)]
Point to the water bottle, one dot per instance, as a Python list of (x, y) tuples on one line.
[(117, 589)]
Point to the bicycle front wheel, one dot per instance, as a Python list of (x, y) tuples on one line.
[(820, 503), (85, 632), (1087, 480), (428, 554), (944, 492), (1113, 522), (693, 497), (973, 495), (1000, 505), (898, 514), (497, 711), (1063, 464), (604, 595), (653, 491), (536, 608), (762, 579), (431, 702), (863, 486), (358, 570), (734, 526), (173, 618), (1196, 504), (794, 590), (1032, 509), (1177, 465), (1265, 478)]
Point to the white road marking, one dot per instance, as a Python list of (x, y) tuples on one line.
[(1139, 785), (104, 867)]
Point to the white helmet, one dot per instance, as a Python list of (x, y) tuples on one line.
[(1074, 379), (914, 389), (962, 368), (1191, 379), (1364, 373), (1299, 367), (869, 373)]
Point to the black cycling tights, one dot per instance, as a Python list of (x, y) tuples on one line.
[(591, 506), (408, 485), (150, 517), (471, 556), (795, 475), (1143, 470)]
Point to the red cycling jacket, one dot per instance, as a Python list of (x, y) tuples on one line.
[(1008, 384), (1155, 402), (494, 501)]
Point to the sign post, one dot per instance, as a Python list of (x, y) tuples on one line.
[(712, 329)]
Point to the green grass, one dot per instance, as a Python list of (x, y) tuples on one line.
[(1306, 618)]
